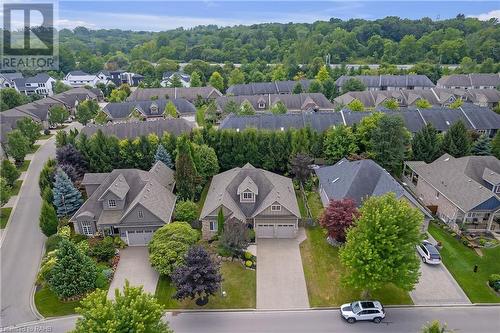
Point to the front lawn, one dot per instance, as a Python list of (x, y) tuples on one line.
[(323, 272), (16, 187), (45, 136), (33, 149), (314, 202), (460, 261), (49, 305), (239, 284), (24, 167), (4, 216)]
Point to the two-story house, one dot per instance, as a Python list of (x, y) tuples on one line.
[(40, 84), (470, 81), (263, 200), (129, 203), (462, 192), (77, 79), (167, 78), (388, 82)]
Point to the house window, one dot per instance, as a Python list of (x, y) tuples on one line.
[(262, 105), (497, 189), (275, 208), (248, 196), (87, 228), (437, 195), (111, 203), (140, 214), (213, 226)]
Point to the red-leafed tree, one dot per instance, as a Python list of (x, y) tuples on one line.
[(338, 217)]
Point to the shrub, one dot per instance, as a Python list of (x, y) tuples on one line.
[(224, 251), (108, 273), (64, 231), (248, 255), (46, 131), (47, 264), (249, 263), (52, 242), (103, 250), (482, 242), (251, 235), (494, 281), (119, 243), (83, 246), (9, 172), (186, 211), (77, 238), (101, 281)]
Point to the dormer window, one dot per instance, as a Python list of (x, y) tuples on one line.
[(275, 208), (111, 203), (247, 196), (262, 105), (140, 214), (154, 109)]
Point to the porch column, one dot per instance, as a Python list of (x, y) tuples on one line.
[(490, 220)]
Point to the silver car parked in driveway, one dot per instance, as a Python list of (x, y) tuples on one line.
[(429, 253), (363, 310)]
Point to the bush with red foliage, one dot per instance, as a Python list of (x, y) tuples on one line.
[(338, 217)]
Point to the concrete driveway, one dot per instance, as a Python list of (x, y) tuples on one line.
[(280, 276), (134, 266)]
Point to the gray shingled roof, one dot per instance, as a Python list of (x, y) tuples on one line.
[(271, 188), (460, 179), (122, 110), (377, 81), (358, 180), (142, 187), (191, 94), (293, 102), (175, 126), (469, 80), (257, 88)]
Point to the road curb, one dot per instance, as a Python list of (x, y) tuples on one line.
[(33, 291)]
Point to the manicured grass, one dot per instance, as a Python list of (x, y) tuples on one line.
[(323, 272), (49, 305), (239, 284), (302, 206), (34, 149), (24, 167), (203, 197), (4, 216), (45, 137), (314, 202), (16, 187), (460, 261)]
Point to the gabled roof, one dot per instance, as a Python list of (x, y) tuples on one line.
[(257, 88), (491, 176), (248, 184), (271, 188), (377, 81), (118, 187), (459, 179), (470, 80), (191, 94), (122, 110), (358, 180), (293, 102)]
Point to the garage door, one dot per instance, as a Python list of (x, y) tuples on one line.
[(264, 230), (139, 237), (285, 231)]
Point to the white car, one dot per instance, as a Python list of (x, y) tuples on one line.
[(363, 310), (429, 253)]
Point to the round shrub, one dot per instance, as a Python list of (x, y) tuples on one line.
[(249, 263), (494, 281), (186, 211), (77, 238), (248, 255), (52, 242), (224, 251), (119, 243), (108, 273), (101, 281), (251, 235), (103, 250)]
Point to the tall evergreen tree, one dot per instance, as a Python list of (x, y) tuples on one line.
[(48, 219), (246, 108), (170, 110), (297, 89), (175, 81), (426, 145), (389, 142), (67, 198), (482, 146), (495, 145), (231, 106), (217, 81), (163, 155), (456, 141), (195, 80), (279, 108), (186, 176)]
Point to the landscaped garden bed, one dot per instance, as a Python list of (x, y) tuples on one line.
[(4, 216)]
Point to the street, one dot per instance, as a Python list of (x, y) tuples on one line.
[(473, 319)]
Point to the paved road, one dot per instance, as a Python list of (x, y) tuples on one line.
[(466, 319), (22, 245)]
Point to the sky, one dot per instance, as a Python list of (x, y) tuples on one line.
[(163, 15)]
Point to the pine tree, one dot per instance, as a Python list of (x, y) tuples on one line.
[(195, 80), (220, 222), (186, 176), (48, 219), (67, 198), (170, 110), (74, 273), (389, 142), (163, 155), (297, 89), (175, 81), (279, 108), (231, 106), (426, 145), (456, 141), (323, 74), (217, 81), (482, 146), (246, 108)]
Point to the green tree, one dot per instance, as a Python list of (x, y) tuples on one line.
[(356, 105), (426, 145), (353, 84), (5, 191), (389, 142), (391, 104), (205, 161), (175, 82), (220, 222), (495, 145), (101, 118), (67, 198), (339, 142), (482, 146), (456, 141), (186, 175), (279, 108), (48, 219), (278, 73), (17, 146), (10, 98), (164, 156), (231, 106), (131, 311), (74, 273), (86, 110), (246, 108), (170, 110), (60, 87), (422, 103), (364, 132), (236, 77), (315, 87), (186, 211), (380, 248), (30, 129), (169, 244), (297, 89), (217, 81), (195, 80), (9, 172), (323, 74), (117, 95), (456, 104), (58, 115)]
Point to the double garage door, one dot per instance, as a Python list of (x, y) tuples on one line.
[(275, 230), (139, 237)]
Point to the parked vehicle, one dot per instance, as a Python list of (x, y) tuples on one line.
[(429, 253), (363, 310)]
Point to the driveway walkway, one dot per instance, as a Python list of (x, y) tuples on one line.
[(280, 276), (134, 266)]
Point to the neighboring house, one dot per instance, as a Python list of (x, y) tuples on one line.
[(78, 79), (7, 79), (131, 130), (293, 102), (435, 96), (463, 192), (263, 200), (388, 82), (148, 110), (359, 180), (469, 81), (129, 203), (479, 119), (40, 84), (119, 77), (259, 88), (168, 77), (191, 94)]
